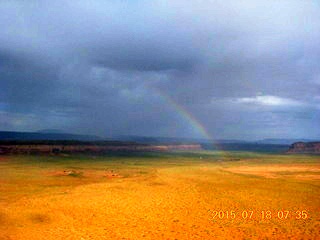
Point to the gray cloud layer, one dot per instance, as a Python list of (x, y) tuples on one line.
[(244, 69)]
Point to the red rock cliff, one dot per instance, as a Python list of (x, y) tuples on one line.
[(34, 148), (305, 147)]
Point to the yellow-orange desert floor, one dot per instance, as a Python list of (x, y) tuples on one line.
[(159, 198)]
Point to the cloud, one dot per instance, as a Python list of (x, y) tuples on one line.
[(269, 101), (107, 66)]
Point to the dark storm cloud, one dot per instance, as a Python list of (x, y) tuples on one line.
[(243, 68)]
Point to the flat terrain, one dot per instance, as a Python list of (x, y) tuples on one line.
[(199, 195)]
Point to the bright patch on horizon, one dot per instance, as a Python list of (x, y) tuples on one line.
[(269, 100)]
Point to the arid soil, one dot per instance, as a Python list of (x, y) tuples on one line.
[(166, 201), (300, 171)]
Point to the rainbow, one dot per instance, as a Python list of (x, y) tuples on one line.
[(195, 123)]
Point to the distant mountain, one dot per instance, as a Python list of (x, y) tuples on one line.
[(55, 134), (153, 140), (164, 140), (159, 140), (283, 141), (6, 135), (266, 145), (51, 131)]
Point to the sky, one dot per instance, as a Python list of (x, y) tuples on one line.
[(218, 69)]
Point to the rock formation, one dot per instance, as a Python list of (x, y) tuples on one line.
[(55, 148), (305, 147)]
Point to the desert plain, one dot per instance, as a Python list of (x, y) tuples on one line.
[(181, 195)]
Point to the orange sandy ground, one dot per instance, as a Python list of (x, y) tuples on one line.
[(173, 202)]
